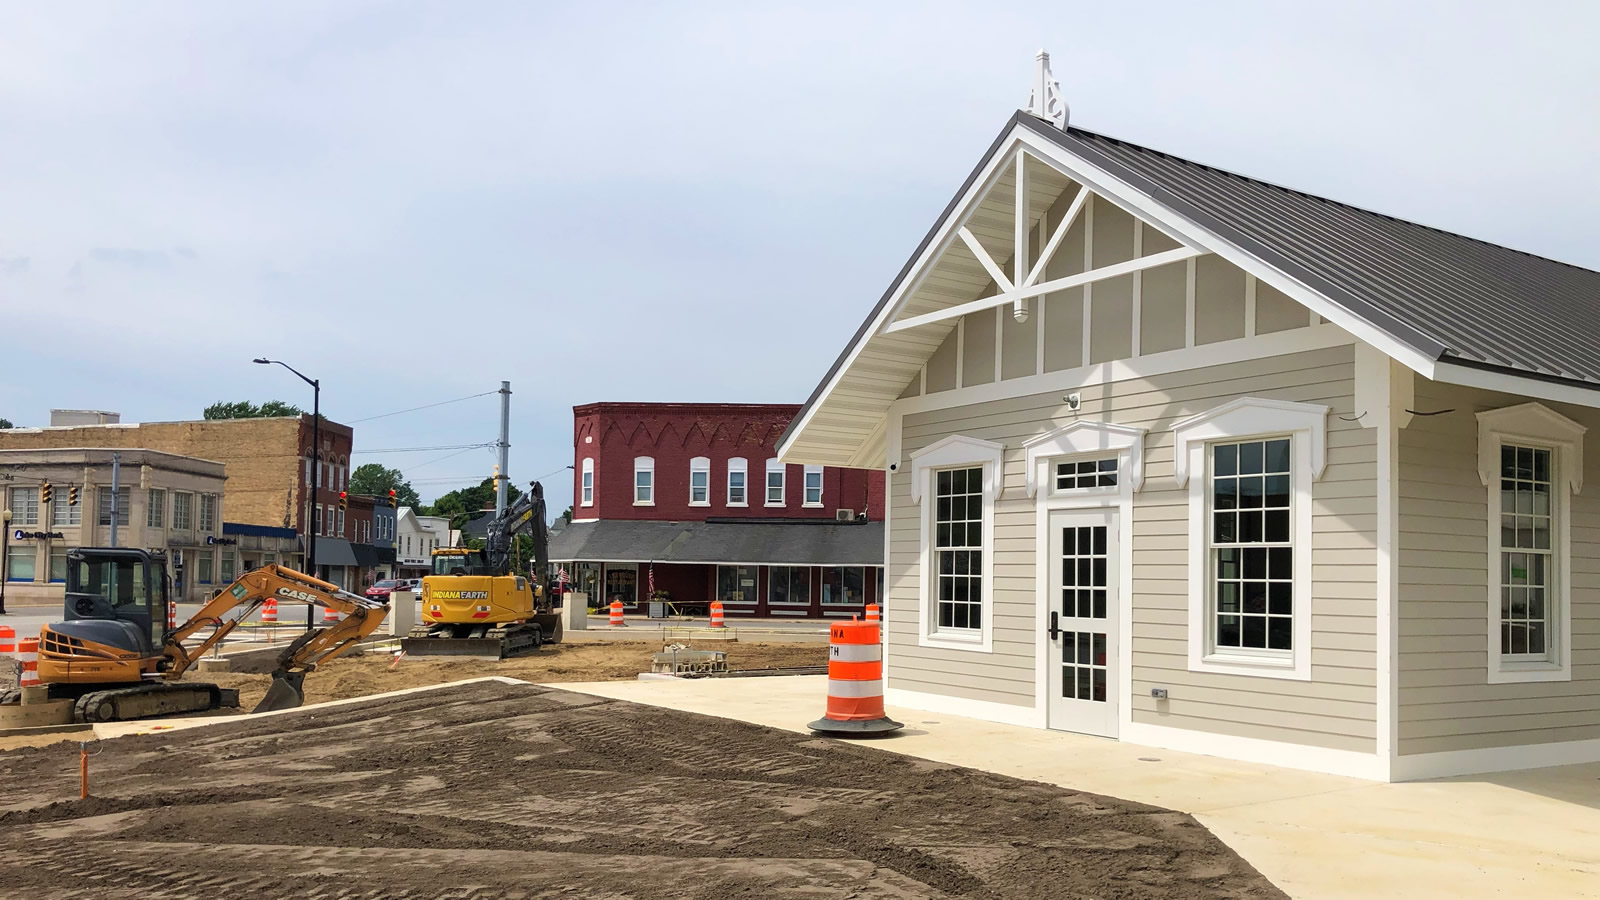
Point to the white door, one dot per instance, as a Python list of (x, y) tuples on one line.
[(1081, 622)]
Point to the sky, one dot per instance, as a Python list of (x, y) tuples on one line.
[(413, 201)]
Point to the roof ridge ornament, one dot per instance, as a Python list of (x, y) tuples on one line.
[(1045, 99)]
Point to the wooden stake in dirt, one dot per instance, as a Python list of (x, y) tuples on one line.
[(397, 657), (83, 770)]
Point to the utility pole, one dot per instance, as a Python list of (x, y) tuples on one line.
[(116, 473), (505, 448)]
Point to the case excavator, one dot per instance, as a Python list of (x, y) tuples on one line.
[(115, 656), (474, 604)]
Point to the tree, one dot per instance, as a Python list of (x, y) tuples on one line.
[(6, 423), (378, 480), (464, 503), (244, 409)]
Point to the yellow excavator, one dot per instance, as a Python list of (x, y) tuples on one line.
[(115, 656), (475, 605)]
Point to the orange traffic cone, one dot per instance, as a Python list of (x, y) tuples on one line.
[(855, 683)]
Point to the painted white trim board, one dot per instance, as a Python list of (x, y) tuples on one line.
[(984, 710)]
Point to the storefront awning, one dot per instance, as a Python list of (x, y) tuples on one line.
[(746, 543), (335, 552)]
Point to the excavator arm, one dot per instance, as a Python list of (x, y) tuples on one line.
[(526, 514), (361, 616)]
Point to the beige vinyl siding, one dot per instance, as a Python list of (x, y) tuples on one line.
[(1162, 306), (1218, 300), (941, 369), (978, 348), (1446, 702), (1335, 710)]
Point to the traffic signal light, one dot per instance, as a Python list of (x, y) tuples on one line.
[(46, 492), (392, 501), (497, 479), (344, 499), (72, 495)]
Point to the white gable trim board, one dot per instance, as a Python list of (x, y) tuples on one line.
[(1357, 694)]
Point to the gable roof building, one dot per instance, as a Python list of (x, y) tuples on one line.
[(1186, 459)]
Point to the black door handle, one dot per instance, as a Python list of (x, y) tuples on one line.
[(1055, 630)]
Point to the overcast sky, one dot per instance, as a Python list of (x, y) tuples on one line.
[(692, 202)]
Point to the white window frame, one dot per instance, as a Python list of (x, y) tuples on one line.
[(208, 512), (643, 464), (741, 467), (586, 484), (956, 452), (805, 487), (782, 471), (788, 583), (155, 508), (701, 466), (1533, 425), (1243, 419)]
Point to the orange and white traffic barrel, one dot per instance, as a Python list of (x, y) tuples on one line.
[(329, 615), (616, 615), (172, 616), (716, 615), (855, 682), (269, 611), (28, 655), (8, 641), (872, 612)]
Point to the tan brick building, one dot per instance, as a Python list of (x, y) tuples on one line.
[(268, 466)]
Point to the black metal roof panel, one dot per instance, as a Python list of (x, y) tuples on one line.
[(753, 543), (1447, 296)]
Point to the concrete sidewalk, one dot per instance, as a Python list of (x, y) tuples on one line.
[(1534, 833)]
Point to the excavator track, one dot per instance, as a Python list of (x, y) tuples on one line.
[(146, 700), (506, 641)]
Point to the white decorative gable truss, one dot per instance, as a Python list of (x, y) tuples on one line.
[(989, 249)]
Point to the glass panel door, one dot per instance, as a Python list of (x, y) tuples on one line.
[(1081, 635)]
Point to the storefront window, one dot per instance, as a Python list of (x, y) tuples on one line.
[(21, 562), (622, 583), (843, 585), (736, 584), (58, 565)]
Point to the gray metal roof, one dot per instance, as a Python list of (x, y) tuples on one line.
[(1446, 296), (803, 544)]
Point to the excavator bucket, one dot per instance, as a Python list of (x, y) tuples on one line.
[(287, 692)]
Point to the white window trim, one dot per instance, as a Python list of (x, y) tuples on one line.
[(1532, 425), (956, 451), (644, 464), (775, 465), (795, 604), (741, 465), (586, 483), (697, 465), (1086, 439), (1306, 425), (805, 488)]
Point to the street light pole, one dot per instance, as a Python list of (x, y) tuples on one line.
[(5, 557), (316, 473)]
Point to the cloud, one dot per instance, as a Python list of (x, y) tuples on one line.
[(16, 265), (135, 259)]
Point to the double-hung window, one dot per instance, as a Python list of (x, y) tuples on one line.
[(956, 481), (738, 485), (182, 511), (700, 481), (64, 513), (1250, 465), (775, 482), (155, 511), (1531, 461), (124, 494), (813, 486), (25, 507), (1251, 553), (208, 512), (587, 484), (644, 481)]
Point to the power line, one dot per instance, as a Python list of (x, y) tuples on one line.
[(426, 449), (417, 408)]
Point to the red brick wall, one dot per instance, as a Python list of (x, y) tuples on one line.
[(614, 434)]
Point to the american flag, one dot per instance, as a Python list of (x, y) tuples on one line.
[(652, 579), (561, 576)]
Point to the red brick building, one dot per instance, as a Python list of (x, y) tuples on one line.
[(692, 496)]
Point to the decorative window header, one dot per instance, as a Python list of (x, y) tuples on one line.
[(1248, 416), (1533, 422), (1081, 438), (955, 450)]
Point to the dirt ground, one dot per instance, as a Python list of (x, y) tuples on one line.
[(344, 678), (494, 790)]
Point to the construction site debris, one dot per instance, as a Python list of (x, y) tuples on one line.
[(387, 798)]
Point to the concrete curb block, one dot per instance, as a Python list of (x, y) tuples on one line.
[(107, 730)]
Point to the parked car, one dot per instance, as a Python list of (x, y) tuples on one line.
[(383, 589)]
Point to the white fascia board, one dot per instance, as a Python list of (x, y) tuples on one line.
[(935, 249), (1142, 205), (1511, 383)]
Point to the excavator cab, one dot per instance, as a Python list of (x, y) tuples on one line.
[(116, 599)]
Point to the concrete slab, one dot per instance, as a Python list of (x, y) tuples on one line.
[(1533, 833)]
